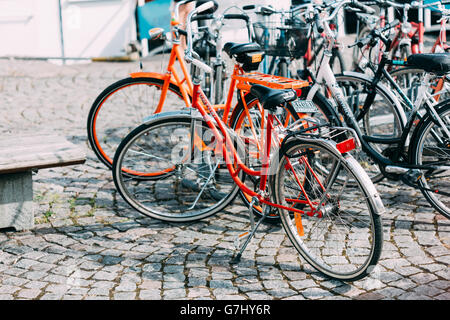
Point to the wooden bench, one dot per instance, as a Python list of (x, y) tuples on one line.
[(19, 156)]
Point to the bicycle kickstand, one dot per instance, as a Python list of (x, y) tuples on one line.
[(247, 236)]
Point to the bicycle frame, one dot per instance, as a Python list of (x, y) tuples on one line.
[(231, 156)]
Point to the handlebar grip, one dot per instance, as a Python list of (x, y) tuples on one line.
[(363, 7), (205, 6), (318, 22), (249, 7), (236, 16), (182, 32), (364, 42)]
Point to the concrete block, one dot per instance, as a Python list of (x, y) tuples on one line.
[(16, 200)]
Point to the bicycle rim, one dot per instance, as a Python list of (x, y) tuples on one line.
[(383, 119)]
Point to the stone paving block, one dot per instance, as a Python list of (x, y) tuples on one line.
[(125, 296), (174, 294), (150, 294)]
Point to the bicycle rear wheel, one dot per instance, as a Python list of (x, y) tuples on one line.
[(340, 231), (430, 145), (182, 178), (410, 80)]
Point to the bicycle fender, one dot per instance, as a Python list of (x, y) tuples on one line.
[(155, 75), (187, 113), (374, 197), (385, 91)]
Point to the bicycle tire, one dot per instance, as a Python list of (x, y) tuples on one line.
[(423, 149), (330, 251), (121, 116), (181, 189)]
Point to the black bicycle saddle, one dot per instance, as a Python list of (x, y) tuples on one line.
[(438, 63), (272, 98)]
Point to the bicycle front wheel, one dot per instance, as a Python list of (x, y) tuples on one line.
[(176, 175), (123, 106), (339, 232)]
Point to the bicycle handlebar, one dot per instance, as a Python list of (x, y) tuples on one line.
[(236, 16), (376, 33), (200, 17)]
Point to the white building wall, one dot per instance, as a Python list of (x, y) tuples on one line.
[(91, 28)]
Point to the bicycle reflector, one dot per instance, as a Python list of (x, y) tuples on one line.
[(346, 145)]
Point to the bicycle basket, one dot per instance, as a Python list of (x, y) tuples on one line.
[(282, 38)]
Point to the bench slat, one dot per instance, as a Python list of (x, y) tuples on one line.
[(37, 152)]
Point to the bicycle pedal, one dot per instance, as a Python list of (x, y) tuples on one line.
[(240, 240), (411, 177)]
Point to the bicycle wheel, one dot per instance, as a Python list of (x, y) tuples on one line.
[(430, 145), (121, 107), (248, 123), (179, 182), (384, 120), (340, 232)]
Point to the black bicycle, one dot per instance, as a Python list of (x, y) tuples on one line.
[(415, 150)]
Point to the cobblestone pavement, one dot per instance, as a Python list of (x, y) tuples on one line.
[(88, 244)]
